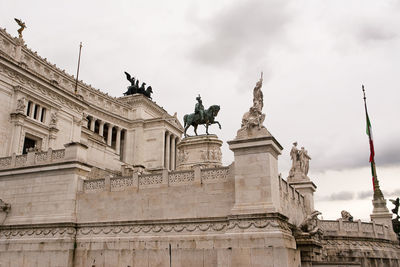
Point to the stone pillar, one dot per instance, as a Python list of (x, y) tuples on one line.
[(173, 148), (39, 113), (101, 128), (167, 150), (129, 146), (118, 141), (109, 134), (18, 120), (92, 122), (307, 189), (256, 175), (32, 111)]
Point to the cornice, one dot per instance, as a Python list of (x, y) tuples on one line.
[(27, 83)]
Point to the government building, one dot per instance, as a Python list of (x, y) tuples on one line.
[(90, 180)]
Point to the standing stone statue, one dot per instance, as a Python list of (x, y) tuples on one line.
[(304, 160), (300, 162), (254, 117)]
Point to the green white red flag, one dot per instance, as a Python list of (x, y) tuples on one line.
[(371, 143)]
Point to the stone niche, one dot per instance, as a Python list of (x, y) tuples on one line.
[(203, 151)]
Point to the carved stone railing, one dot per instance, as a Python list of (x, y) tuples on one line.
[(181, 177), (161, 179), (5, 162), (214, 174), (353, 229), (150, 179), (94, 185), (32, 158)]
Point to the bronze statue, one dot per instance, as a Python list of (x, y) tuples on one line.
[(201, 116), (22, 25), (396, 221), (135, 89), (199, 108)]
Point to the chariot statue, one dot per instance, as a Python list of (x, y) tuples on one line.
[(201, 116), (135, 89)]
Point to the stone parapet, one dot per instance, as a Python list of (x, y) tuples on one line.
[(158, 180), (33, 158)]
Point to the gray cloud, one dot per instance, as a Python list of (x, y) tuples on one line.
[(361, 195), (342, 195), (373, 32), (245, 29), (385, 155)]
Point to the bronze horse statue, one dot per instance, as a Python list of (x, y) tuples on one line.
[(194, 119)]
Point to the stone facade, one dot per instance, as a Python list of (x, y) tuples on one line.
[(91, 180)]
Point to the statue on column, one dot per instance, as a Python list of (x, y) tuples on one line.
[(300, 161), (254, 118), (201, 116)]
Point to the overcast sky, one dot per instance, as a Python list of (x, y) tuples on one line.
[(314, 54)]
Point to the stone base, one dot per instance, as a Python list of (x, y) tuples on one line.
[(203, 151), (253, 132)]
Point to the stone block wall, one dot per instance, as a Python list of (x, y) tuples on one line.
[(180, 194)]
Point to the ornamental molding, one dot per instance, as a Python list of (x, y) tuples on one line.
[(194, 227), (26, 84), (353, 243), (39, 233), (40, 67)]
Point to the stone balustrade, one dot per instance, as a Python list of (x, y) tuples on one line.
[(292, 202), (156, 180), (32, 158), (353, 229)]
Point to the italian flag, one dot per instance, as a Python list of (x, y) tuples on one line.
[(371, 146)]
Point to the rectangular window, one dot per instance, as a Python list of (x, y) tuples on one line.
[(29, 108), (42, 116), (35, 114)]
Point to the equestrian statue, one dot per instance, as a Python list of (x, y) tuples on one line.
[(201, 116), (135, 89)]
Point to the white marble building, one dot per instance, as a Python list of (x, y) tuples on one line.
[(87, 179)]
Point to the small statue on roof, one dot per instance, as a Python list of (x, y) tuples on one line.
[(135, 89), (22, 25)]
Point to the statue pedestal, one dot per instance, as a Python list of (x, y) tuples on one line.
[(256, 172), (201, 150)]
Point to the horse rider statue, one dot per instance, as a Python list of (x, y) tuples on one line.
[(202, 116)]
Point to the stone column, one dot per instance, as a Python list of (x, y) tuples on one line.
[(256, 175), (167, 150), (39, 113), (173, 152), (118, 139), (92, 122), (109, 134), (32, 111), (18, 120), (101, 128)]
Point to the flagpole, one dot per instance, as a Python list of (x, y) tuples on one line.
[(77, 71), (375, 181)]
